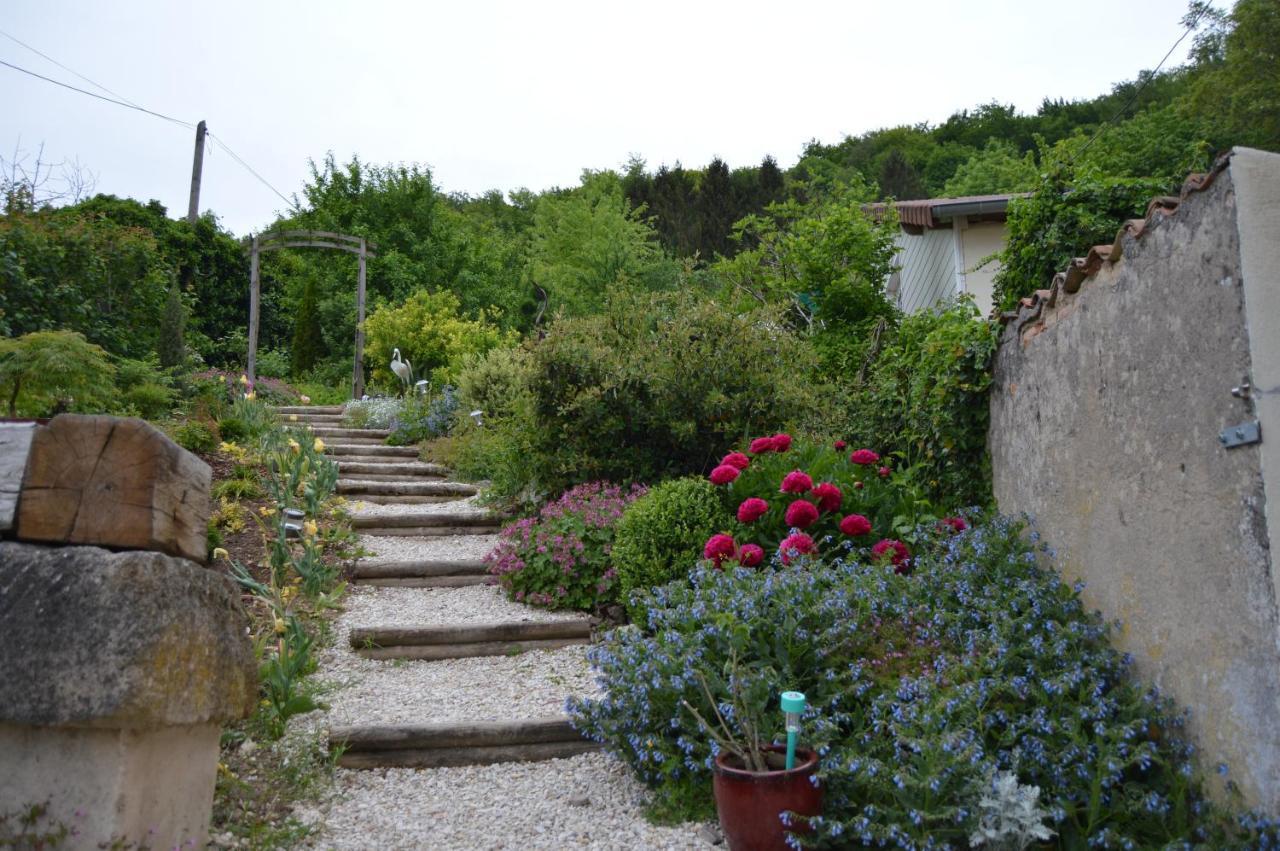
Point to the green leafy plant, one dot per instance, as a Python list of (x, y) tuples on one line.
[(920, 688), (661, 535), (47, 371), (196, 436), (560, 559)]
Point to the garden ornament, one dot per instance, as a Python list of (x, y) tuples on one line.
[(793, 706)]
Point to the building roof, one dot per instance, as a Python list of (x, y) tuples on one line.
[(1029, 318), (932, 212)]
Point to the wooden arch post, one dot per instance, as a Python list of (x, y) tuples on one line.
[(277, 240)]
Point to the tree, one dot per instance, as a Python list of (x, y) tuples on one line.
[(899, 179), (48, 371), (308, 339), (1239, 88), (169, 343), (996, 168)]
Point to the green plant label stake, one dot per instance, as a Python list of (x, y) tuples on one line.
[(793, 706)]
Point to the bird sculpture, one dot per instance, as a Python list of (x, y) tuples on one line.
[(402, 368)]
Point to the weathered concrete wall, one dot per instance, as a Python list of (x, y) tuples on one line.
[(1106, 409)]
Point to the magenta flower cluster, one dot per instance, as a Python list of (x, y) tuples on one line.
[(560, 558)]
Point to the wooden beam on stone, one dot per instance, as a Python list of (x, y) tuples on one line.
[(114, 482)]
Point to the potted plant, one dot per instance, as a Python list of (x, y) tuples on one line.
[(756, 780)]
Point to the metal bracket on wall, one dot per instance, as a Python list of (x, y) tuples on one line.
[(1241, 435)]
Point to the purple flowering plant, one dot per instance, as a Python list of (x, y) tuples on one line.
[(559, 559)]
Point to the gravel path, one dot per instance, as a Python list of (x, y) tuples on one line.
[(405, 548), (468, 506), (588, 801), (368, 605)]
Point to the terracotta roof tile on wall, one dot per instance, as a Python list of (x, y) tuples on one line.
[(1029, 318)]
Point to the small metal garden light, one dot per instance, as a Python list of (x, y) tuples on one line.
[(293, 522), (793, 706), (476, 417), (422, 386)]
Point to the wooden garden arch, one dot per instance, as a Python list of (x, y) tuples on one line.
[(276, 240)]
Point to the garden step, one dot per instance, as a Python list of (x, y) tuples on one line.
[(428, 531), (308, 409), (425, 519), (453, 744), (385, 467), (420, 574), (330, 420), (433, 643), (392, 477), (406, 488), (353, 441), (372, 451), (385, 499), (328, 432)]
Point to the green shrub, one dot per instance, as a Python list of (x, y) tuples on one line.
[(922, 689), (45, 372), (560, 559), (430, 333), (656, 386), (150, 401), (195, 436), (661, 535), (233, 429), (237, 489), (423, 417), (272, 363), (494, 383), (926, 396)]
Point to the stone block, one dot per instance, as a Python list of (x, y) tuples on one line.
[(113, 482), (125, 640)]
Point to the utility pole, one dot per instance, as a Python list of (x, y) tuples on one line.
[(193, 208)]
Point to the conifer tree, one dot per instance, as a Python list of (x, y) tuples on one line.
[(308, 340), (173, 321)]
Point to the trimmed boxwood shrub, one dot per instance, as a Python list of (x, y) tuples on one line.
[(660, 537)]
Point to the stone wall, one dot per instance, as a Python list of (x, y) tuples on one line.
[(1110, 392)]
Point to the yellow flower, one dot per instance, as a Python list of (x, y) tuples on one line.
[(279, 626), (250, 396), (266, 511), (306, 400), (294, 447), (244, 379), (318, 446), (293, 418), (219, 552), (310, 528)]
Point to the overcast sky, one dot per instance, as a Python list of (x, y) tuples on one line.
[(511, 94)]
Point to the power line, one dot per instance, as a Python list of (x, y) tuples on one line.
[(119, 100), (72, 71), (249, 168), (98, 96), (1191, 26)]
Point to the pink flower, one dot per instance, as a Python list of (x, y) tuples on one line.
[(801, 514), (864, 456), (752, 510), (884, 472), (750, 555), (857, 486), (855, 525), (798, 544), (781, 442), (829, 496), (796, 481), (955, 524), (840, 445), (724, 474), (899, 555), (735, 459), (761, 445), (719, 548)]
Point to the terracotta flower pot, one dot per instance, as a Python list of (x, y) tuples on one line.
[(750, 802)]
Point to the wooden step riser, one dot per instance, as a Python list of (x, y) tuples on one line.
[(461, 581), (373, 477), (385, 636), (455, 757), (440, 652), (340, 434), (335, 410), (370, 568), (426, 531), (406, 488), (420, 519), (381, 499), (374, 450), (355, 738), (384, 467)]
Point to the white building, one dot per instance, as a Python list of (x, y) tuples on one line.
[(945, 248)]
